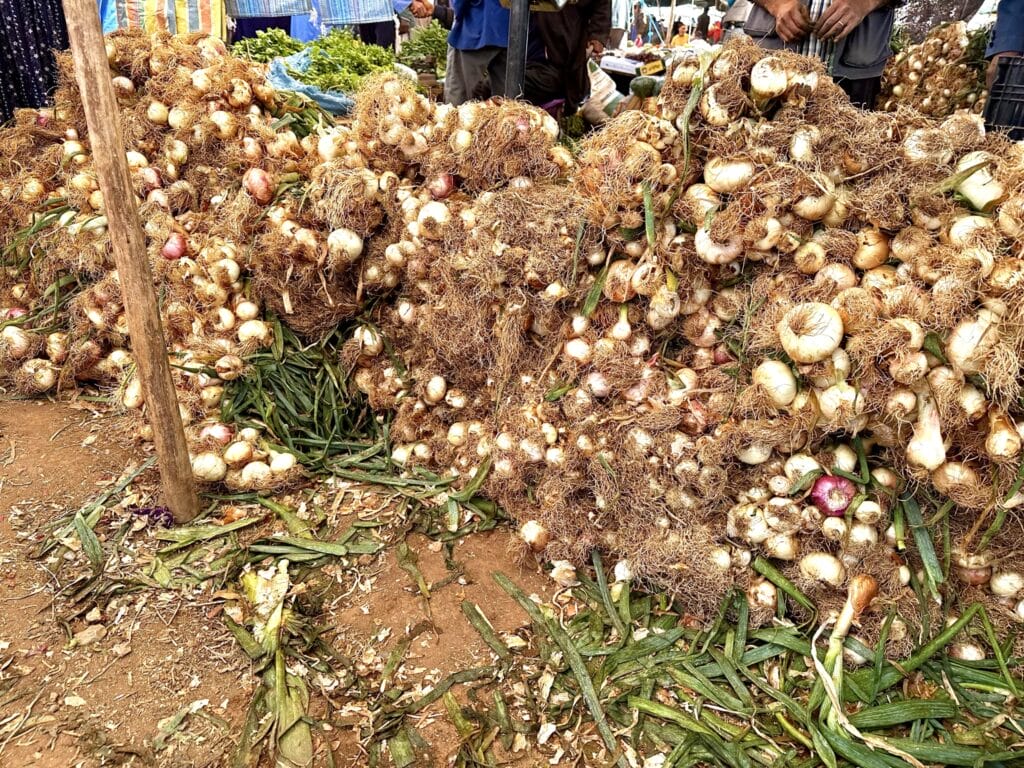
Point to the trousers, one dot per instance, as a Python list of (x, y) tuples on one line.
[(467, 71)]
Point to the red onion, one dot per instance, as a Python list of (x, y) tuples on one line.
[(723, 355), (258, 184), (523, 124), (14, 312), (441, 186), (832, 494), (42, 119), (218, 433), (175, 246)]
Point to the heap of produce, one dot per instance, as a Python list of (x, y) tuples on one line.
[(267, 45), (758, 338), (427, 47), (338, 61), (943, 73)]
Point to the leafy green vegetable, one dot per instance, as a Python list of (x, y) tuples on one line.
[(267, 45), (429, 42), (339, 62)]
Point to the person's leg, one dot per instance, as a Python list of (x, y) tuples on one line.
[(863, 93), (384, 34), (497, 60), (465, 71), (542, 83), (380, 33)]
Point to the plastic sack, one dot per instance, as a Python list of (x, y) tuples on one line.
[(604, 96), (279, 77), (253, 9)]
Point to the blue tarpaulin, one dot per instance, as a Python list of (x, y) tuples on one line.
[(279, 77), (308, 26)]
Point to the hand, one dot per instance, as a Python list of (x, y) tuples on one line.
[(792, 19), (596, 47), (993, 65), (421, 9), (843, 16)]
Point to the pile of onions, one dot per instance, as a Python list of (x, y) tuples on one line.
[(242, 461), (941, 74), (721, 331)]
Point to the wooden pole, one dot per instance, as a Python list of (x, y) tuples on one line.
[(129, 245)]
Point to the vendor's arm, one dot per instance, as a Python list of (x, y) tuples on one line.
[(844, 16), (599, 24), (444, 13), (792, 19), (1008, 34)]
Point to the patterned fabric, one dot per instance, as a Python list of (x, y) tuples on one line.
[(30, 30), (812, 46), (265, 9), (174, 16), (336, 12)]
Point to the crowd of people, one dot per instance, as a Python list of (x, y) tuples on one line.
[(852, 36)]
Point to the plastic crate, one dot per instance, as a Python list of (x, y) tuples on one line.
[(1004, 109)]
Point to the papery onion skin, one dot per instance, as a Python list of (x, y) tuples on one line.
[(832, 494)]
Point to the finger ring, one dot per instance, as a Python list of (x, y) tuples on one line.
[(842, 24)]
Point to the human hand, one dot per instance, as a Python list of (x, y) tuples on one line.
[(792, 19), (596, 47), (421, 9), (843, 16), (993, 65)]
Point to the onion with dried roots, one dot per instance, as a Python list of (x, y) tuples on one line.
[(810, 332)]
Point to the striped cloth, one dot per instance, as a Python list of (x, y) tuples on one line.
[(174, 16), (264, 9), (337, 12), (811, 45)]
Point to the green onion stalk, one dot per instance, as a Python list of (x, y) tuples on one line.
[(859, 594)]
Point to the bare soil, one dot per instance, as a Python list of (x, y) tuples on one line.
[(68, 705)]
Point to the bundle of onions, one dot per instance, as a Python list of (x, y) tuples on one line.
[(717, 332), (941, 74)]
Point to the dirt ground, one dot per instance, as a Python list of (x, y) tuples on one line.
[(100, 699)]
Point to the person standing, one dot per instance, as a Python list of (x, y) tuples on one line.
[(620, 22), (1007, 35), (703, 22), (30, 32), (680, 36), (851, 36), (479, 42), (640, 25), (373, 20), (559, 46)]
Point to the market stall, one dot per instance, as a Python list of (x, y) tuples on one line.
[(756, 347)]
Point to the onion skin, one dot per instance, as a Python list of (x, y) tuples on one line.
[(810, 332), (832, 494), (441, 186), (926, 449), (258, 183), (175, 247)]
